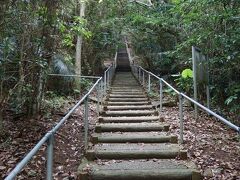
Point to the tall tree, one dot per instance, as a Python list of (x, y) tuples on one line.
[(78, 62)]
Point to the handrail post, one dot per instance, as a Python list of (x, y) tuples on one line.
[(181, 116), (143, 79), (161, 94), (105, 83), (139, 74), (50, 157), (102, 90), (108, 79), (98, 97), (149, 83), (86, 123), (208, 97), (110, 74)]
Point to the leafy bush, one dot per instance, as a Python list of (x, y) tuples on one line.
[(185, 81), (54, 102), (233, 100)]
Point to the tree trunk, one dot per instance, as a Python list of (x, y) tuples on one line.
[(49, 46), (80, 42), (78, 62)]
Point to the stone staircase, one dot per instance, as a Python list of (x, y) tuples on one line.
[(123, 63), (131, 141)]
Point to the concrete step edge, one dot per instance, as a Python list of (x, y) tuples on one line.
[(136, 154), (119, 127), (134, 139), (130, 119), (163, 174)]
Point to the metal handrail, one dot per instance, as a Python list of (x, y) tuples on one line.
[(75, 75), (233, 126), (137, 72), (48, 138), (108, 75), (165, 82)]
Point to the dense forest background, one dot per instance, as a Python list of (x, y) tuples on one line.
[(39, 37)]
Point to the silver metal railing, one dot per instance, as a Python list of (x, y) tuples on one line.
[(101, 85), (108, 76), (140, 73)]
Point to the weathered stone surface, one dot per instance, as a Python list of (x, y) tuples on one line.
[(127, 99), (129, 107), (131, 127), (135, 151), (128, 103), (130, 113), (131, 119), (141, 170)]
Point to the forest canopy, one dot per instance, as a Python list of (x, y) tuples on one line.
[(40, 37)]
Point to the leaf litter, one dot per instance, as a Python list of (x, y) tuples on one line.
[(68, 144), (211, 145)]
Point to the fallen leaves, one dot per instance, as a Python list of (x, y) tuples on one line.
[(211, 145), (68, 145)]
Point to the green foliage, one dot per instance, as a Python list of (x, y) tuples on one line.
[(169, 91), (233, 100), (86, 84), (171, 29), (70, 30), (153, 94), (36, 37), (185, 81), (187, 73), (19, 98), (54, 102)]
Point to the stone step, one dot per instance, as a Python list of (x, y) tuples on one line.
[(150, 169), (135, 137), (131, 127), (129, 113), (128, 107), (128, 103), (130, 89), (127, 93), (136, 151), (125, 87), (118, 79), (134, 119), (126, 96), (124, 79), (127, 82), (127, 99)]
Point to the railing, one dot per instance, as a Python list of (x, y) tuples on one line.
[(101, 85), (141, 74), (108, 75)]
